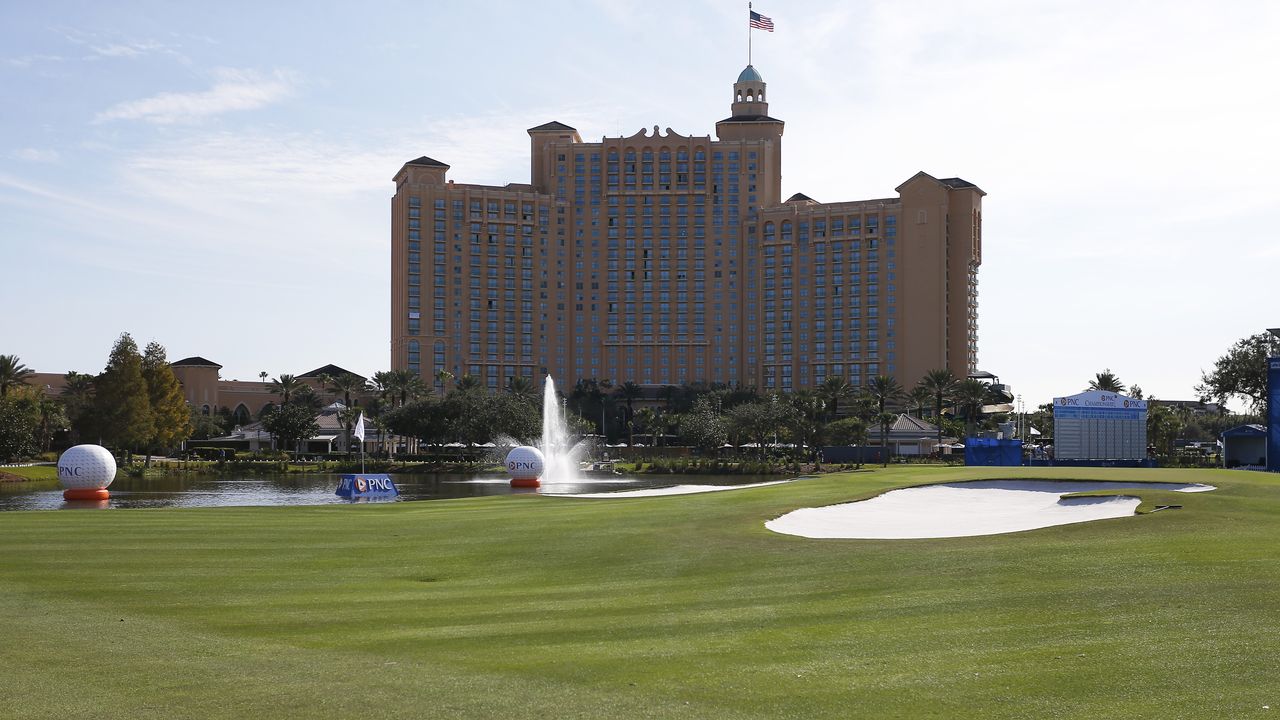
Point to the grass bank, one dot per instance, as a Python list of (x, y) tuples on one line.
[(527, 606), (29, 472)]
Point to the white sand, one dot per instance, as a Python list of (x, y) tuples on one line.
[(987, 507), (673, 490)]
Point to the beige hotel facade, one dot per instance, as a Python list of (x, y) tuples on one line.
[(666, 259)]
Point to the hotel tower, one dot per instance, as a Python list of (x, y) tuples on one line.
[(661, 258)]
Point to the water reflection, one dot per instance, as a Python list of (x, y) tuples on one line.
[(316, 489)]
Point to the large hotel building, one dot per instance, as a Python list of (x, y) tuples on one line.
[(665, 259)]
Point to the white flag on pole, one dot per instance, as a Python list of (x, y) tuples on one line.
[(359, 431)]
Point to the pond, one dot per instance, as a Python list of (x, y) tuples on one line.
[(317, 489)]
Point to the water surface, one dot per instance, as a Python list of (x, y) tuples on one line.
[(317, 489)]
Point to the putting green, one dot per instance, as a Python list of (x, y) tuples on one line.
[(684, 606)]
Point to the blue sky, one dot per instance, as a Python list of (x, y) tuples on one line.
[(217, 177)]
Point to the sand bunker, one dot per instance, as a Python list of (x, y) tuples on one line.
[(988, 507), (673, 490)]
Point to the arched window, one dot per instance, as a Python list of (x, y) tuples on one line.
[(415, 356), (241, 415), (204, 409), (266, 410)]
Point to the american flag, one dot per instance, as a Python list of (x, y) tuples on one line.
[(760, 22)]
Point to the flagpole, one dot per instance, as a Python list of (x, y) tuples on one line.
[(748, 33)]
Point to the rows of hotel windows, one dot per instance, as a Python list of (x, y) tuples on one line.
[(656, 257), (655, 366), (496, 250), (821, 279), (777, 271), (630, 170), (654, 247)]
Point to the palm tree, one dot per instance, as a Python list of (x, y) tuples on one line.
[(884, 420), (285, 386), (835, 389), (263, 376), (398, 385), (920, 397), (383, 384), (12, 373), (970, 396), (345, 384), (630, 392), (884, 389), (466, 382), (53, 417), (668, 394), (77, 397), (406, 385), (647, 418), (809, 407), (942, 383), (1107, 382), (443, 376), (522, 387)]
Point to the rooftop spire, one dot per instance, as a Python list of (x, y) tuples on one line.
[(748, 94)]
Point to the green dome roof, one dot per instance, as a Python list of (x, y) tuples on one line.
[(749, 74)]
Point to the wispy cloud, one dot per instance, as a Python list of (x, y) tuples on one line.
[(130, 49), (27, 61), (36, 155), (234, 90)]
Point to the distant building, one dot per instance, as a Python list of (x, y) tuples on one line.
[(206, 391), (246, 399), (661, 258), (908, 435), (327, 439), (1195, 407)]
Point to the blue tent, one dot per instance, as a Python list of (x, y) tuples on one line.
[(989, 451), (1244, 445)]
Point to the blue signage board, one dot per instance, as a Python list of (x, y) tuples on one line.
[(366, 486), (1273, 414), (1102, 413)]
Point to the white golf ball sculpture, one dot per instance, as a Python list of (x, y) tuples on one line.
[(85, 471), (525, 464)]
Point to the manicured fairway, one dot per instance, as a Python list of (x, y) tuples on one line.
[(684, 606)]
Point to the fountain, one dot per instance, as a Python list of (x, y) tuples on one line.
[(560, 453), (557, 454)]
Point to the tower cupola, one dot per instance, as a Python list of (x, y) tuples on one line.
[(748, 94)]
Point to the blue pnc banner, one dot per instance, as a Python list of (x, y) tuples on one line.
[(1273, 414), (366, 486)]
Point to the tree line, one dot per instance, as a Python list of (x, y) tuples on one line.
[(703, 415), (135, 405)]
